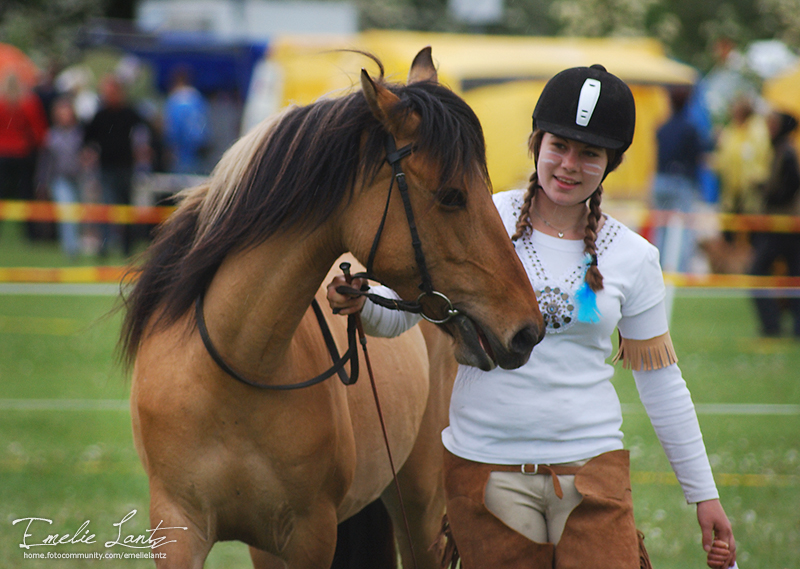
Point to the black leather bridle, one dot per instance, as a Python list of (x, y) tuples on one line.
[(393, 157)]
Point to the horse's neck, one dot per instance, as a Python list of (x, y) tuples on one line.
[(258, 297)]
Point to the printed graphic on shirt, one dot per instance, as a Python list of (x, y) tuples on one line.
[(557, 308)]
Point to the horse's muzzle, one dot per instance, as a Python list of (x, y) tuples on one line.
[(525, 340), (478, 347)]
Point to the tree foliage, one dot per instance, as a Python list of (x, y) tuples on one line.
[(46, 29), (688, 28), (602, 18), (782, 17)]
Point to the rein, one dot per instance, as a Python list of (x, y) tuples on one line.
[(350, 355), (362, 338)]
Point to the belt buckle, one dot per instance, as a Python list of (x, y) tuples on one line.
[(535, 469)]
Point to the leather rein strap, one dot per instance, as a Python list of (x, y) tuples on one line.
[(350, 355)]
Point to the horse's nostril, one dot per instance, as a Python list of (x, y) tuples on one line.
[(524, 340)]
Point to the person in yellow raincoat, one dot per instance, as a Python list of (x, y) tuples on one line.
[(742, 159)]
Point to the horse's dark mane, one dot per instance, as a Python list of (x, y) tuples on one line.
[(298, 170)]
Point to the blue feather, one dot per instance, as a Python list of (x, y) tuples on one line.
[(586, 299)]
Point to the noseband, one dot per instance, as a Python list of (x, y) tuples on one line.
[(393, 157)]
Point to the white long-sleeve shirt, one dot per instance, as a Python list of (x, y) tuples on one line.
[(561, 405)]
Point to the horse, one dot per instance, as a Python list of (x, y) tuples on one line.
[(226, 291)]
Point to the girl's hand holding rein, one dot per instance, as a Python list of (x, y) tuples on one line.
[(341, 303)]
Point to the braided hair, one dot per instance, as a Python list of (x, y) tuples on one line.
[(593, 276)]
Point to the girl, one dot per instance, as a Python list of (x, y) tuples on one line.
[(535, 471)]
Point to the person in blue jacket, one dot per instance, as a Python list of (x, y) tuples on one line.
[(186, 127)]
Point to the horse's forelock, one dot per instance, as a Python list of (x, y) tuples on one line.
[(449, 134)]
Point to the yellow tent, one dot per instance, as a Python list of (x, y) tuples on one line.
[(500, 78), (782, 92)]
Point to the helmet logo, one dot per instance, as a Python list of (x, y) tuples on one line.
[(590, 93)]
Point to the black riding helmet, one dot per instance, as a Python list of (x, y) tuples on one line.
[(590, 105)]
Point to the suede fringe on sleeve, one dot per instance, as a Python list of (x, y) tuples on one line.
[(646, 355)]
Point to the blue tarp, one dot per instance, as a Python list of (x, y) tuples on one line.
[(216, 65)]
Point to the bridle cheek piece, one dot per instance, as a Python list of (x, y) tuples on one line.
[(393, 157)]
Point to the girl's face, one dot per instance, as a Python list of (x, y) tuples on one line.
[(569, 171)]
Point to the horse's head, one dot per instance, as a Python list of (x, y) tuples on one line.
[(467, 255)]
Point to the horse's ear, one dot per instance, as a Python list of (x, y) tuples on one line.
[(381, 102), (422, 68)]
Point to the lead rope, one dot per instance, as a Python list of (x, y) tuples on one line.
[(362, 338)]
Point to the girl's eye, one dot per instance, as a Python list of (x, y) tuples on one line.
[(451, 198), (593, 152)]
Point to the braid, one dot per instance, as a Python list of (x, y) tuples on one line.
[(593, 276), (524, 221)]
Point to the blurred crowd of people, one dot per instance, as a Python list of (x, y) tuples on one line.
[(59, 143), (751, 163)]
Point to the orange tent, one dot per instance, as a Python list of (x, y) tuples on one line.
[(13, 60)]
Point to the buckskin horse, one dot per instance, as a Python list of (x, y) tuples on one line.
[(225, 292)]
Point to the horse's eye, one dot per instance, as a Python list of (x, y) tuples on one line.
[(452, 198)]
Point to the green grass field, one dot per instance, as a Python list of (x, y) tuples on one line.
[(66, 452)]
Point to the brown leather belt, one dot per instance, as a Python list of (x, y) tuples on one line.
[(554, 470)]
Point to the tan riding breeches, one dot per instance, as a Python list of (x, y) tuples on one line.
[(529, 504), (599, 532)]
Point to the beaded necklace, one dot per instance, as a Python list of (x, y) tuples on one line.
[(556, 296)]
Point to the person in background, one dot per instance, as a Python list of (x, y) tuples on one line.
[(781, 196), (23, 126), (186, 127), (742, 160), (676, 187), (46, 89), (112, 135), (535, 472), (60, 167)]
